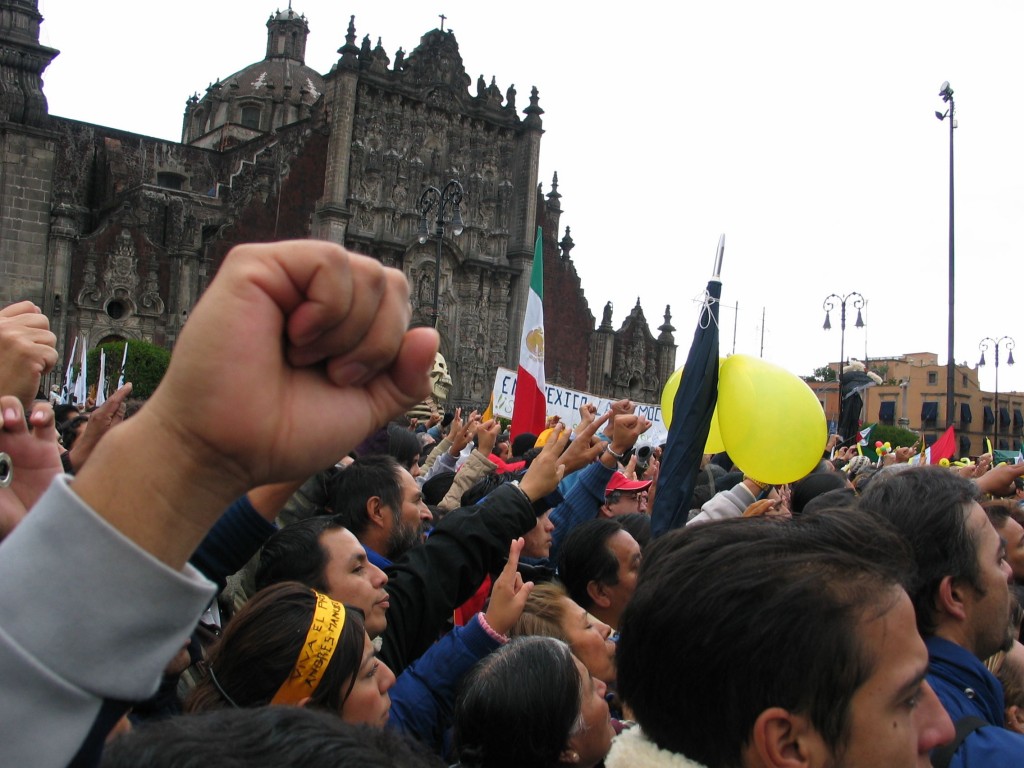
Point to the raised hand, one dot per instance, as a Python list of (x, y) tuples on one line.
[(295, 353), (509, 593)]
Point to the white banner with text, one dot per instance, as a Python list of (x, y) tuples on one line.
[(566, 403)]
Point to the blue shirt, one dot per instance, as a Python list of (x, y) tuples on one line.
[(965, 687)]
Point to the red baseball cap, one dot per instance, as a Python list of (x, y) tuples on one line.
[(620, 482)]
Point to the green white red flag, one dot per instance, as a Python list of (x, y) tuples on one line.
[(530, 409)]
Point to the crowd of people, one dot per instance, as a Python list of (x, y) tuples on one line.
[(267, 564)]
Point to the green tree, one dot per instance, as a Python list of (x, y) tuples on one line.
[(145, 367), (897, 437), (825, 373)]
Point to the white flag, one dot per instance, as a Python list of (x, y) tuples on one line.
[(81, 389), (101, 383), (124, 360), (65, 395)]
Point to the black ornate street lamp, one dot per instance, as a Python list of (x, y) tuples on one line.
[(440, 200), (947, 96), (1008, 343), (829, 304)]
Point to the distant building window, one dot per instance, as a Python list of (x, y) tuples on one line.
[(965, 414), (170, 180), (990, 416), (116, 309), (251, 117), (965, 381), (887, 411), (929, 413), (933, 377)]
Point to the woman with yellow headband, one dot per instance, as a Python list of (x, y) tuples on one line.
[(294, 646)]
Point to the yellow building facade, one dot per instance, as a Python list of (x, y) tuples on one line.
[(913, 395)]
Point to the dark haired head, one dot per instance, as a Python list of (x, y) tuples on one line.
[(63, 413), (928, 506), (998, 511), (815, 484), (523, 443), (69, 433), (437, 487), (403, 446), (841, 498), (519, 706), (484, 486), (272, 737), (476, 492), (637, 525), (260, 648), (796, 595), (364, 478), (584, 557), (295, 554)]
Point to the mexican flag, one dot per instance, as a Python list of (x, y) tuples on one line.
[(530, 408), (943, 448)]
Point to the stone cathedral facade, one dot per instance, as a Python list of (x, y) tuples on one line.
[(116, 235)]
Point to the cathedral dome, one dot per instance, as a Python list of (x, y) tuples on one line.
[(260, 97)]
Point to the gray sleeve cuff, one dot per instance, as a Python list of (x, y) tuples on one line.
[(87, 605)]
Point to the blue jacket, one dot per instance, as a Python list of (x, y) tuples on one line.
[(582, 502), (423, 696), (965, 687)]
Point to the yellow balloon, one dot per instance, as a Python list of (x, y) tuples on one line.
[(771, 422), (668, 396), (715, 444)]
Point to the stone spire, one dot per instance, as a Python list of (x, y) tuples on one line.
[(23, 62), (286, 35)]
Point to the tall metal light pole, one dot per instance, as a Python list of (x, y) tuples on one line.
[(828, 305), (947, 96), (440, 200), (1009, 344)]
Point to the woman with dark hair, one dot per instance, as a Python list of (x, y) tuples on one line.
[(532, 704), (292, 645)]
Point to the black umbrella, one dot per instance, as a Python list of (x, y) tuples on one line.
[(692, 410)]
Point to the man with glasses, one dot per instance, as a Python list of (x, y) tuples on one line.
[(623, 496)]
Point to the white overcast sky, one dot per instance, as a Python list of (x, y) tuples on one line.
[(803, 130)]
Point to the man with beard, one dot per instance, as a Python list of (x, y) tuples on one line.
[(381, 503), (961, 600)]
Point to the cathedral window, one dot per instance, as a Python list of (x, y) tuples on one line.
[(251, 117)]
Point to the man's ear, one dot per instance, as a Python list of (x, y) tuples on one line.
[(1015, 719), (375, 512), (950, 598), (604, 512), (784, 740), (597, 594)]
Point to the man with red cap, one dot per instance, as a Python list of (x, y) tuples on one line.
[(623, 496)]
